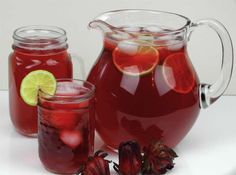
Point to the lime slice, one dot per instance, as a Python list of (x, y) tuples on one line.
[(35, 80)]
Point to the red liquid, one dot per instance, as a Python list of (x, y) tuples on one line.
[(66, 134), (161, 103), (21, 62)]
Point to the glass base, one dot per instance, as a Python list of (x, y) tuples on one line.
[(32, 135)]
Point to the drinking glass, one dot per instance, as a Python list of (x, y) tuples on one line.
[(66, 126)]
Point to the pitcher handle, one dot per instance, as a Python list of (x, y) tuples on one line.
[(78, 74), (209, 93)]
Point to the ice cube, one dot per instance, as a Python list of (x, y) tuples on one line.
[(128, 47), (114, 37), (71, 138), (174, 45), (166, 37), (132, 29), (146, 37), (118, 35), (67, 88), (153, 28)]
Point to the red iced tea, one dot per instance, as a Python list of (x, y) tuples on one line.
[(66, 126), (35, 48), (146, 88)]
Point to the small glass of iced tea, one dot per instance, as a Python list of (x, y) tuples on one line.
[(66, 126)]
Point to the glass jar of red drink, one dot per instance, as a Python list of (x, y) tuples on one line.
[(66, 126), (34, 48)]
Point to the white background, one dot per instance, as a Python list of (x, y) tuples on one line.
[(74, 15)]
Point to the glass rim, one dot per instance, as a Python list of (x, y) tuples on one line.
[(87, 95), (40, 37), (49, 28), (177, 30)]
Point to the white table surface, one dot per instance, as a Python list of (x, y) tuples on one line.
[(208, 149)]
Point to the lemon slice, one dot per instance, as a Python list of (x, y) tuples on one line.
[(35, 80), (135, 59)]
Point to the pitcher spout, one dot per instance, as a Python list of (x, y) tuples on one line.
[(101, 25), (112, 33)]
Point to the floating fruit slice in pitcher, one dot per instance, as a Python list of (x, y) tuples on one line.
[(35, 80), (135, 57), (178, 74)]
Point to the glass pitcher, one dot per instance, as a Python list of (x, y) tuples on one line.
[(146, 87)]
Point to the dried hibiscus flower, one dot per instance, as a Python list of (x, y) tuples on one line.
[(96, 165), (157, 159), (130, 159)]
